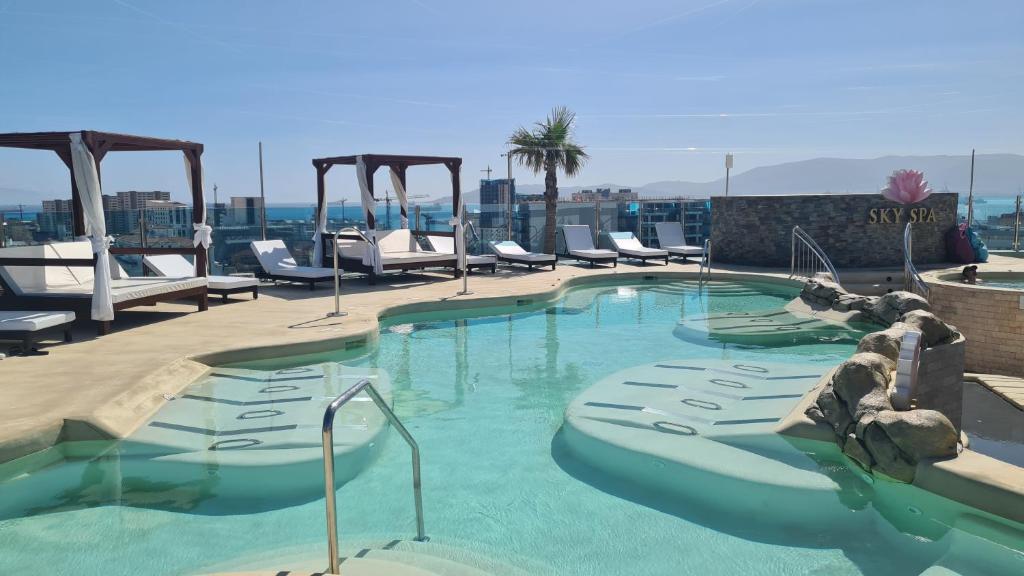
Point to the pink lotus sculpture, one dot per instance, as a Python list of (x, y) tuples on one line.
[(907, 187)]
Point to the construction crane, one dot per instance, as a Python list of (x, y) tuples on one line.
[(387, 207)]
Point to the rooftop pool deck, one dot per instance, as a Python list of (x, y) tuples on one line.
[(110, 387)]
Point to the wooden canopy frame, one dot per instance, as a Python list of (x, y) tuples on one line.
[(99, 143), (399, 163)]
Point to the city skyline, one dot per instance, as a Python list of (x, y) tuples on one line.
[(662, 89)]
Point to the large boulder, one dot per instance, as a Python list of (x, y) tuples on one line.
[(831, 410), (888, 458), (886, 342), (919, 434), (892, 306), (864, 377), (855, 450), (934, 332), (852, 303), (820, 291)]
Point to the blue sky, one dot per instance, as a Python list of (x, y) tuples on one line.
[(662, 88)]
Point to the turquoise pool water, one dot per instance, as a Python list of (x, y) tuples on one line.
[(1004, 283), (485, 397)]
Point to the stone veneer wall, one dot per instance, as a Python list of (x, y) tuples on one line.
[(992, 321), (756, 230)]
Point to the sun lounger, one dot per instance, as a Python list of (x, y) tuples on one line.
[(446, 245), (399, 250), (29, 326), (579, 244), (176, 266), (671, 239), (277, 263), (627, 245), (59, 276), (509, 251)]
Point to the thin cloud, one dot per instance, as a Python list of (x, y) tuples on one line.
[(177, 26), (354, 95)]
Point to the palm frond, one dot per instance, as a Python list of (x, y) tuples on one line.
[(550, 142)]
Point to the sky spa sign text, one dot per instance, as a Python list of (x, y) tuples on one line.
[(904, 187), (900, 215)]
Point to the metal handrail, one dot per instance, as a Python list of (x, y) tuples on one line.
[(808, 256), (352, 229), (912, 281), (328, 440), (705, 261), (337, 281)]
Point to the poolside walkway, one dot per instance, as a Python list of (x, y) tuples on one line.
[(98, 388), (1008, 388)]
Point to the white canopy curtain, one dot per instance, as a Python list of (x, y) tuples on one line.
[(321, 229), (372, 255), (460, 229), (88, 181), (403, 198), (203, 231)]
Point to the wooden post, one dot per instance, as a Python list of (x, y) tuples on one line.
[(321, 204), (453, 167), (198, 205)]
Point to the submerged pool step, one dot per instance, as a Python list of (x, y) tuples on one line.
[(374, 558)]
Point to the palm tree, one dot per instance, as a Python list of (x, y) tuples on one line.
[(548, 147)]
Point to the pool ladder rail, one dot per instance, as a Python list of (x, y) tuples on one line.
[(912, 281), (807, 258), (705, 263), (328, 441)]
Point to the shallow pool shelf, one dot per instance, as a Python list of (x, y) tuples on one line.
[(237, 441), (765, 328), (703, 430)]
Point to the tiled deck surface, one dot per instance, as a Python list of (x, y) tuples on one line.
[(105, 387), (1009, 388)]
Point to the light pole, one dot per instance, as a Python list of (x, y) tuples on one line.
[(728, 166)]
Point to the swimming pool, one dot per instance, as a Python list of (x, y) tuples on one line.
[(485, 394)]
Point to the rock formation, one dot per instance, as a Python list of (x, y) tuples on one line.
[(856, 403)]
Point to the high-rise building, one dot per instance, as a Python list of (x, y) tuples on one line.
[(51, 206), (245, 210), (135, 199), (605, 195), (495, 198)]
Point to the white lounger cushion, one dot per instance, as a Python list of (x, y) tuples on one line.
[(276, 260), (596, 253), (670, 238), (176, 266), (125, 289), (446, 245), (35, 279), (77, 281), (512, 251), (396, 247), (416, 257), (29, 321), (579, 242), (626, 243)]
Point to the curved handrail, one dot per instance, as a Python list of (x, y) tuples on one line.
[(328, 440), (705, 262), (355, 230), (912, 281), (808, 256)]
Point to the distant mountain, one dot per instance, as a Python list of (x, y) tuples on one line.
[(995, 175)]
